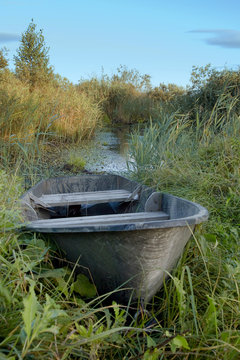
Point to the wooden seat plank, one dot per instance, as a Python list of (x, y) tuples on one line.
[(92, 197), (116, 219)]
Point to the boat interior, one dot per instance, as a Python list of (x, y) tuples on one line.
[(101, 200), (105, 198)]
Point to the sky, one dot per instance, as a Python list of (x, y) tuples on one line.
[(161, 38)]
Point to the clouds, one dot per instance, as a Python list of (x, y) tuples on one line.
[(224, 38), (7, 37)]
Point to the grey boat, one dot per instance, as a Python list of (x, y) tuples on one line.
[(127, 235)]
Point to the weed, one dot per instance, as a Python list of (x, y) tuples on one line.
[(77, 162)]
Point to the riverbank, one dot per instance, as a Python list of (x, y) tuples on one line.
[(105, 152), (195, 315), (49, 313)]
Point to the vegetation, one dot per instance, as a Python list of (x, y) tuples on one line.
[(32, 61), (76, 162), (199, 159), (190, 147), (124, 97), (3, 59), (35, 104)]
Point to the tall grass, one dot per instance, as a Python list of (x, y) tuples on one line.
[(72, 116), (46, 311), (200, 160), (124, 97), (77, 116)]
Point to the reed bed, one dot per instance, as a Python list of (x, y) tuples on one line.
[(123, 97), (200, 160), (56, 108), (46, 311)]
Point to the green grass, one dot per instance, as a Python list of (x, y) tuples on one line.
[(201, 164), (47, 312), (76, 161)]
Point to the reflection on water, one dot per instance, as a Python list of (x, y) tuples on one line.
[(107, 152), (123, 135)]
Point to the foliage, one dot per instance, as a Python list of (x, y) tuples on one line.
[(190, 148), (128, 96), (56, 111), (32, 61), (122, 97), (133, 77), (200, 76), (3, 59), (76, 161), (204, 160), (77, 114), (202, 164), (10, 189), (166, 93), (209, 88)]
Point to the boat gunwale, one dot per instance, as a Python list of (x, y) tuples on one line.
[(199, 217), (201, 214)]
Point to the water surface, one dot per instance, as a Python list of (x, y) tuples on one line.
[(108, 151)]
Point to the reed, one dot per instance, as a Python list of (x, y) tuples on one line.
[(51, 313), (200, 163), (77, 116), (48, 312), (72, 116), (123, 97)]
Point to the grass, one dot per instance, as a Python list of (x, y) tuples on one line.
[(124, 97), (57, 109), (76, 161), (201, 164), (46, 311)]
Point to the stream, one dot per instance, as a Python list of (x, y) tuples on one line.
[(108, 150)]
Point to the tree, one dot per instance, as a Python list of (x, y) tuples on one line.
[(32, 61), (3, 59)]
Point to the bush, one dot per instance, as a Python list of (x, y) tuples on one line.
[(211, 90), (122, 97)]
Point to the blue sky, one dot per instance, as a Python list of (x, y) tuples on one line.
[(157, 37)]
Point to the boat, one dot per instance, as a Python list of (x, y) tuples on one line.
[(125, 236)]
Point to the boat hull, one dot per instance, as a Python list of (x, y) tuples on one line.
[(128, 253), (132, 264)]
